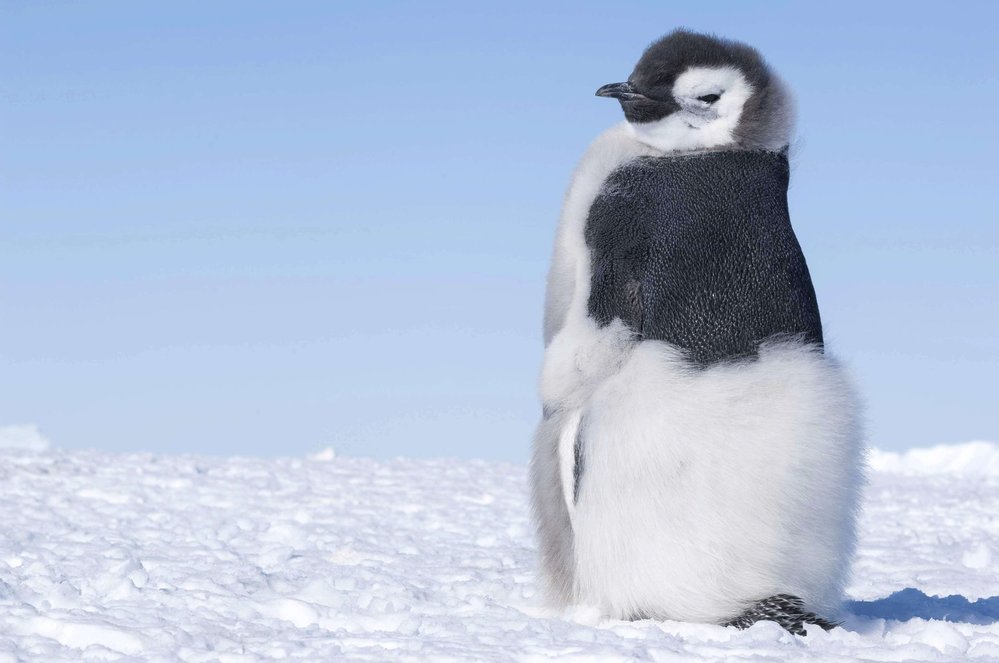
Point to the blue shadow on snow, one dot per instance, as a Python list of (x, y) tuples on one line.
[(911, 604)]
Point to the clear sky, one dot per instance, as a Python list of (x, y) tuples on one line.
[(267, 228)]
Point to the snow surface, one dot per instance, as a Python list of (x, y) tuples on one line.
[(971, 458), (164, 558), (25, 436)]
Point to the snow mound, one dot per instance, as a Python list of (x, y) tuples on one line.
[(186, 558), (972, 458), (22, 437)]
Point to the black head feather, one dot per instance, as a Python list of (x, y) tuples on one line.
[(766, 115)]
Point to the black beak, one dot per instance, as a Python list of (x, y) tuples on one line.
[(622, 91)]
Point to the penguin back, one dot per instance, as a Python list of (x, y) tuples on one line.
[(698, 251)]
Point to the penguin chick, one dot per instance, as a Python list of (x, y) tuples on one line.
[(699, 453), (695, 92)]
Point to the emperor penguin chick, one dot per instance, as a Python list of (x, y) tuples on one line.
[(699, 456)]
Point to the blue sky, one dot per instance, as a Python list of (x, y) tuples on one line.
[(268, 228)]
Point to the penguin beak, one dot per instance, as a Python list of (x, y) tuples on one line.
[(622, 91)]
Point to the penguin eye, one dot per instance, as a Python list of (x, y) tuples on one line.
[(710, 98)]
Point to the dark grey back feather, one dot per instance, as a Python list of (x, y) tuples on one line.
[(698, 251)]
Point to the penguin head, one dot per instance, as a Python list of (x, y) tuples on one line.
[(692, 91)]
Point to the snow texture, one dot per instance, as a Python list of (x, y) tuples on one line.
[(164, 558), (24, 436)]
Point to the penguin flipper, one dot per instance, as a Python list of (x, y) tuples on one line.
[(787, 610), (551, 508)]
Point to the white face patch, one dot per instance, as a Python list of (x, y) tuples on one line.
[(699, 124)]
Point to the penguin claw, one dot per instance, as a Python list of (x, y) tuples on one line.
[(787, 610)]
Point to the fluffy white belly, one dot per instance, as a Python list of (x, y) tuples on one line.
[(703, 490)]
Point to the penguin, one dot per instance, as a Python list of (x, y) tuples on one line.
[(699, 455)]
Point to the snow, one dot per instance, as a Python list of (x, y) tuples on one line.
[(981, 458), (165, 558), (25, 436)]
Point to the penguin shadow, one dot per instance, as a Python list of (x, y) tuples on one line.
[(913, 604)]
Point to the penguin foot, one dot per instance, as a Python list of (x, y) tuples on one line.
[(788, 611)]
